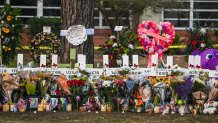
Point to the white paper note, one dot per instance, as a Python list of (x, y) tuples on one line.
[(90, 31), (125, 60), (118, 28), (63, 32), (47, 29)]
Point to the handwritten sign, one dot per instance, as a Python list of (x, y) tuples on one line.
[(193, 72), (161, 72), (213, 74)]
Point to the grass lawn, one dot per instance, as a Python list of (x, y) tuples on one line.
[(114, 117)]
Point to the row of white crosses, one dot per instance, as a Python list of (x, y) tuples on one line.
[(194, 63)]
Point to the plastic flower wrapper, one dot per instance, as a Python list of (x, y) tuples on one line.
[(160, 88), (43, 82), (53, 86), (8, 85), (184, 88), (62, 82)]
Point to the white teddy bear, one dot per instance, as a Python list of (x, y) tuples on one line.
[(210, 108)]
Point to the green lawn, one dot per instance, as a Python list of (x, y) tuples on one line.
[(113, 117)]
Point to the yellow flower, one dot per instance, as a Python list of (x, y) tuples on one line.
[(6, 30), (9, 18)]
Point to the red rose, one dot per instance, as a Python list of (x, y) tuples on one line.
[(194, 42), (108, 46), (131, 42), (196, 36)]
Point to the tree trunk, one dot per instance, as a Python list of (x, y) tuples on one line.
[(77, 12)]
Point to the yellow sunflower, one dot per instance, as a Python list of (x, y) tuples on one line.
[(9, 18), (6, 30)]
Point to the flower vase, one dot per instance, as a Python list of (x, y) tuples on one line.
[(6, 107), (12, 107), (40, 107), (15, 109), (81, 109), (108, 108), (22, 109), (150, 111), (69, 107), (48, 107), (157, 109), (103, 107)]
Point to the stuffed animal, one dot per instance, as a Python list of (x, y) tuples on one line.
[(209, 59), (210, 107)]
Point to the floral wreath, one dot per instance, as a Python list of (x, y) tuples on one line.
[(44, 39), (156, 38)]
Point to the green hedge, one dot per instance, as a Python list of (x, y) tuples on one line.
[(36, 25)]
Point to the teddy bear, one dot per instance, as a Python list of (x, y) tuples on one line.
[(210, 107)]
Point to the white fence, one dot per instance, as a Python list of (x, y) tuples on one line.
[(193, 68)]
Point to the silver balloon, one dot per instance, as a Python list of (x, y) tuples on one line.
[(76, 34)]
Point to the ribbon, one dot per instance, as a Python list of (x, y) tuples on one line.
[(54, 65), (191, 66), (198, 67), (43, 66)]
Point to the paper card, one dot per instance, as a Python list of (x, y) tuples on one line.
[(154, 61), (81, 59), (42, 61), (19, 62), (118, 28), (89, 65), (135, 61), (96, 71), (33, 103), (105, 61), (161, 72), (72, 53), (54, 61), (47, 29), (63, 32), (191, 62), (125, 60), (197, 61), (169, 61), (90, 31)]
